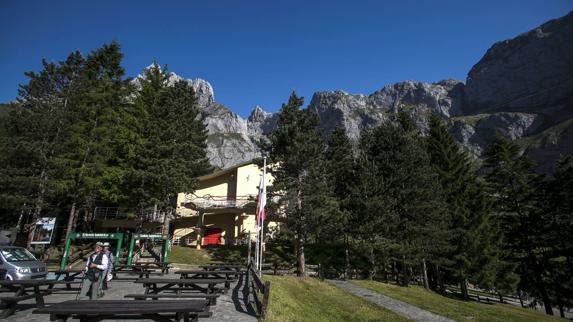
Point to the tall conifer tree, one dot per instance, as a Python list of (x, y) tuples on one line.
[(473, 242)]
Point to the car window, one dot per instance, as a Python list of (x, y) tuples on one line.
[(17, 255)]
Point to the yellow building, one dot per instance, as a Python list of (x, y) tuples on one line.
[(222, 208)]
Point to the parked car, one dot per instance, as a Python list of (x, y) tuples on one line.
[(20, 264)]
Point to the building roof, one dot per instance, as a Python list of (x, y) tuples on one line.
[(224, 171)]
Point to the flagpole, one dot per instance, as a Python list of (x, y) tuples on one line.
[(257, 237), (261, 218)]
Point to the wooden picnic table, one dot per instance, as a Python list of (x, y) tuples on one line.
[(168, 310), (133, 268), (23, 290), (211, 298), (229, 275), (136, 274), (164, 266), (224, 267), (68, 275), (178, 285)]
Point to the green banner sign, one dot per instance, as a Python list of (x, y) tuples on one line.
[(149, 236), (96, 235)]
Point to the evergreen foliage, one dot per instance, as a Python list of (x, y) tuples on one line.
[(473, 247), (173, 141), (81, 134), (303, 188)]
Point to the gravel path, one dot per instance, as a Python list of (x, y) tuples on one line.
[(389, 303), (230, 306)]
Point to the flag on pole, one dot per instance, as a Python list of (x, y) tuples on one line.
[(261, 201)]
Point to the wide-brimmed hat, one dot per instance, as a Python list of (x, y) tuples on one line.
[(99, 244), (106, 244)]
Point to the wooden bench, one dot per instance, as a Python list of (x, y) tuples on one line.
[(225, 267), (24, 290), (164, 266), (68, 275), (8, 303), (179, 285), (211, 298), (161, 311), (137, 274)]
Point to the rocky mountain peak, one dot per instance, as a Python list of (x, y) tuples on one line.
[(532, 72), (258, 114), (522, 88)]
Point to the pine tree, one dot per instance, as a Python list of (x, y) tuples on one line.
[(513, 186), (35, 134), (341, 171), (473, 244), (173, 150), (102, 136), (408, 198), (558, 207), (300, 182)]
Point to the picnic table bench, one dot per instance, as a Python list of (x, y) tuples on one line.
[(222, 267), (137, 273), (133, 268), (164, 266), (24, 290), (68, 275), (172, 310), (179, 285), (211, 298), (229, 275)]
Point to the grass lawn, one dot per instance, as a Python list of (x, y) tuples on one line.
[(454, 308), (308, 299), (208, 254)]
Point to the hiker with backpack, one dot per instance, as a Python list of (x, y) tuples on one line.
[(95, 272), (108, 274)]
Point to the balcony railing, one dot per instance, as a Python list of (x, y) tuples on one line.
[(218, 202), (109, 213)]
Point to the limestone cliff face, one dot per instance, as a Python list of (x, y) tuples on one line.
[(531, 73), (521, 88)]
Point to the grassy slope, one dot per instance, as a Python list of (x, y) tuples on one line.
[(209, 254), (454, 308), (296, 299), (548, 135), (226, 253)]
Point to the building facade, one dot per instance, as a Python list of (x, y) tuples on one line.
[(222, 208)]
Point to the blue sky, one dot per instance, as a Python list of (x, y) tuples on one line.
[(257, 52)]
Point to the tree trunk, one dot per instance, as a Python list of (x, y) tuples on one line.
[(561, 310), (405, 273), (544, 295), (300, 256), (425, 274), (372, 259), (37, 208), (464, 289), (71, 219), (500, 297), (166, 222), (439, 280), (301, 232), (346, 257), (200, 229)]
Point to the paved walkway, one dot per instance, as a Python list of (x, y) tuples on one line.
[(389, 303), (230, 307)]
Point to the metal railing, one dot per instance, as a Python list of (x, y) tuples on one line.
[(218, 202), (108, 213)]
